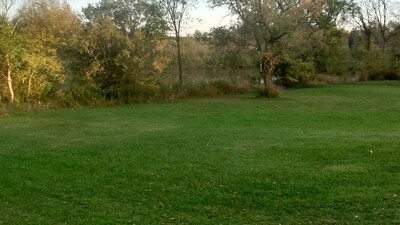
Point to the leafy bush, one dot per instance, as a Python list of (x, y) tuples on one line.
[(140, 92), (294, 72)]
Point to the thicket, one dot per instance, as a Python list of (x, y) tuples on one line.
[(119, 51)]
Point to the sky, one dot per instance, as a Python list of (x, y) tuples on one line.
[(204, 18)]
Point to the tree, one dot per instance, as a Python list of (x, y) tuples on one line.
[(201, 36), (6, 6), (49, 28), (385, 22), (230, 49), (176, 13), (377, 18), (329, 39), (293, 37), (128, 16), (119, 50), (268, 21), (328, 14), (364, 19), (10, 53), (10, 46)]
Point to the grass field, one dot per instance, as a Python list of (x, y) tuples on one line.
[(326, 155)]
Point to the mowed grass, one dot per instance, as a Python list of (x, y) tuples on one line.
[(326, 155)]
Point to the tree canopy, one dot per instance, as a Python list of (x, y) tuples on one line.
[(122, 50)]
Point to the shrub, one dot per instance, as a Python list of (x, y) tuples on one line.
[(205, 89), (294, 73), (270, 91), (3, 109), (140, 92)]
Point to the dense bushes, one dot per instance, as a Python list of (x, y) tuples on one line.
[(51, 57)]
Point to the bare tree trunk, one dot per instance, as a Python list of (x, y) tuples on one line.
[(267, 79), (178, 43), (384, 27), (270, 90), (9, 78), (28, 93), (368, 41)]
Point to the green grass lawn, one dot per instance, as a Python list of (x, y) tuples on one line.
[(326, 155)]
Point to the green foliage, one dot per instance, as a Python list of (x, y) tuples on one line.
[(332, 55), (103, 47), (201, 36), (332, 13), (119, 50), (293, 72), (379, 66), (128, 16), (48, 28), (230, 51), (11, 51), (117, 56), (10, 42), (206, 89)]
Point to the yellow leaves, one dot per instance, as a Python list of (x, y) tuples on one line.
[(42, 72)]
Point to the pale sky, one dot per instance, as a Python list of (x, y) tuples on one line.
[(204, 17)]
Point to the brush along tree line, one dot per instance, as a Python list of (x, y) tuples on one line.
[(121, 49)]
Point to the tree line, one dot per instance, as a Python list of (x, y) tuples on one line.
[(121, 50)]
